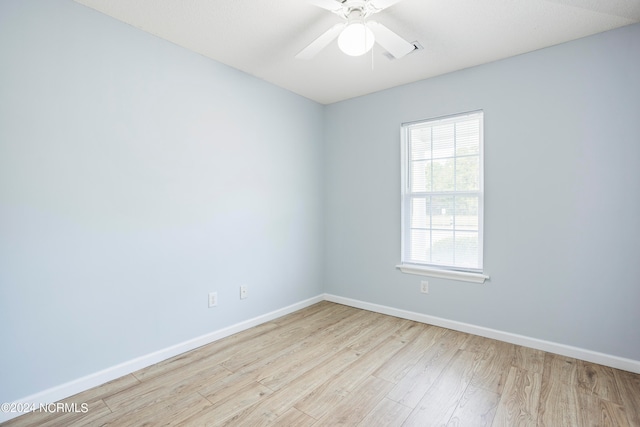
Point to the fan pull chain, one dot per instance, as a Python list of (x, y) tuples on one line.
[(374, 46), (365, 42)]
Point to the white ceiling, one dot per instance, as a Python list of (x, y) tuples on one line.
[(262, 37)]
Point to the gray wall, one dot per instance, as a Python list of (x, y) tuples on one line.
[(562, 206), (135, 177)]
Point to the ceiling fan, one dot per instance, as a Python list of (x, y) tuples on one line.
[(356, 35)]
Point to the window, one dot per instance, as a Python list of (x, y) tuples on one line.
[(442, 197)]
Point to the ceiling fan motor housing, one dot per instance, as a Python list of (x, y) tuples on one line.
[(357, 9)]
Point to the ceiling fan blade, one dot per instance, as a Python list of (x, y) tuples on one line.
[(383, 4), (321, 42), (331, 5), (390, 41)]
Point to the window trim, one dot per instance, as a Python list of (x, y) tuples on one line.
[(422, 270), (475, 275)]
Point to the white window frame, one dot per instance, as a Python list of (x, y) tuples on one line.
[(466, 274)]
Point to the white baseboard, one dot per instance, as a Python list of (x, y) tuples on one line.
[(65, 390), (551, 347)]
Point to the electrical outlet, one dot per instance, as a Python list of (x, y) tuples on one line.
[(213, 299), (243, 292), (424, 287)]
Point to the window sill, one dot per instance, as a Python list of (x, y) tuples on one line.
[(443, 274)]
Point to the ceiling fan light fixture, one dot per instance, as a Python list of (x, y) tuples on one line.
[(356, 39)]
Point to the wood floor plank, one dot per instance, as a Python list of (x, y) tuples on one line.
[(212, 353), (477, 344), (294, 418), (371, 360), (394, 369), (362, 400), (235, 402), (386, 414), (441, 399), (494, 366), (520, 399), (278, 369), (105, 390), (596, 412), (629, 387), (159, 388), (303, 315), (268, 410), (283, 338), (237, 345), (311, 352), (477, 408), (598, 380), (528, 358), (332, 392), (560, 369), (380, 327), (170, 411), (410, 390), (215, 391), (558, 405)]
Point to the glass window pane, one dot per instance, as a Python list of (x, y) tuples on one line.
[(468, 137), (421, 176), (466, 248), (467, 173), (443, 175), (466, 213), (419, 246), (443, 136), (442, 212), (420, 213), (421, 143), (442, 247)]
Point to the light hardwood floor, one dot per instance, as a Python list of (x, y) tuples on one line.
[(330, 365)]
